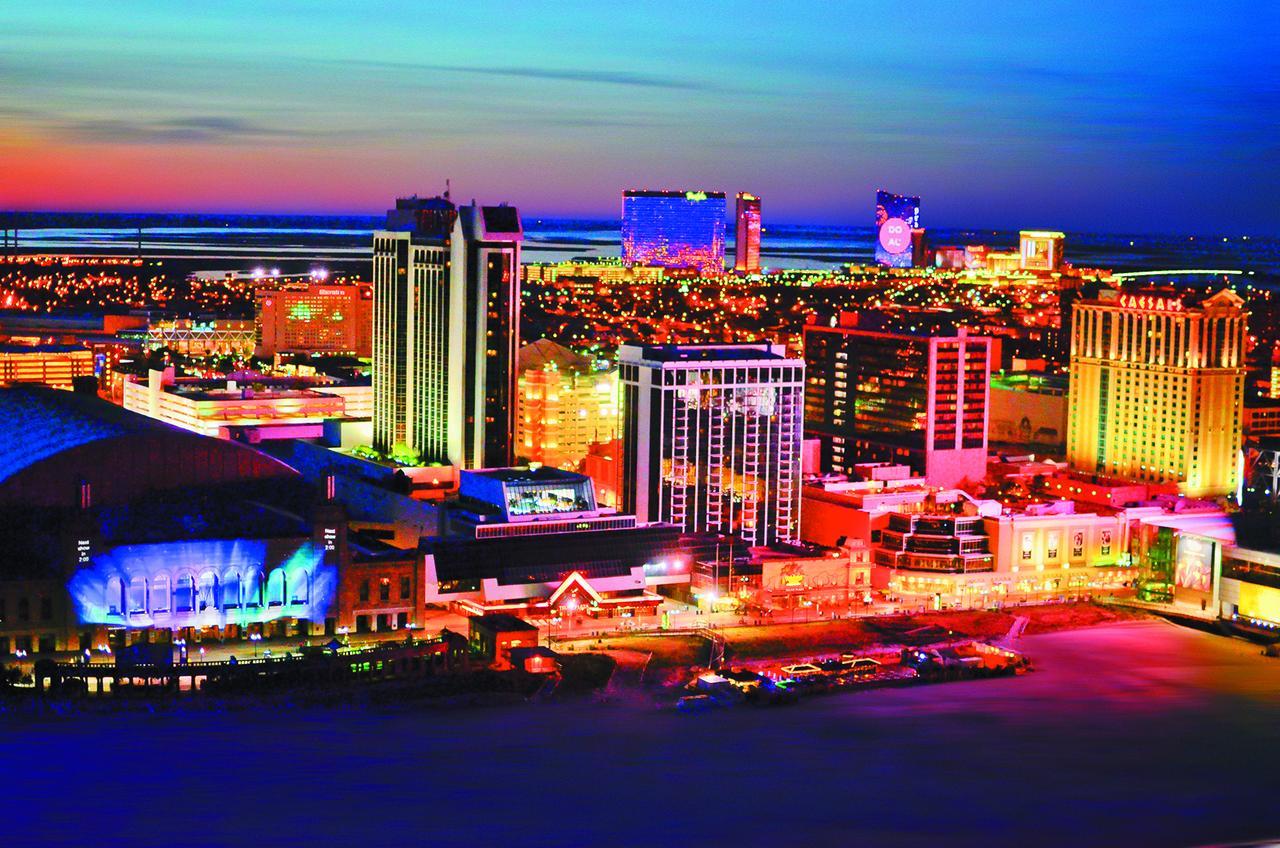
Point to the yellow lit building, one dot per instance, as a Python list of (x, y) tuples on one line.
[(1040, 250), (1156, 389), (565, 405), (56, 366)]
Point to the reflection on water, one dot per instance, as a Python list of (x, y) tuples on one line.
[(1127, 735)]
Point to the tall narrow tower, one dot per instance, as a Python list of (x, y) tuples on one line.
[(446, 331), (746, 246)]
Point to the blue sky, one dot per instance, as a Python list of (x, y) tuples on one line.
[(1128, 117)]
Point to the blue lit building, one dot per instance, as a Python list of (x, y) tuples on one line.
[(897, 220), (119, 528), (674, 229)]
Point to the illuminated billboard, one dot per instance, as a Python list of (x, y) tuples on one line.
[(897, 216), (1193, 568), (204, 583)]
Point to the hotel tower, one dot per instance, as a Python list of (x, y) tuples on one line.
[(446, 331), (1156, 389), (711, 438)]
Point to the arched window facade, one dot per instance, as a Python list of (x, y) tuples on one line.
[(114, 601), (159, 593), (136, 600), (207, 592), (299, 587), (184, 593), (231, 590), (276, 588)]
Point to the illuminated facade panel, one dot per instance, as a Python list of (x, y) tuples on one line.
[(746, 246), (1156, 390), (674, 229), (897, 216), (711, 438), (314, 318), (214, 583)]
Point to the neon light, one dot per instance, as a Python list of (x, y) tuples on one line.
[(696, 196)]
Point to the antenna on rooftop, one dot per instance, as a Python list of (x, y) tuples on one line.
[(447, 188)]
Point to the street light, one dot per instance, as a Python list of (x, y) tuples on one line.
[(255, 638)]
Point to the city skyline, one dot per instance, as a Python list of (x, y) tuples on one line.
[(312, 109)]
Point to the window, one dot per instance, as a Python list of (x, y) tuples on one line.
[(406, 588), (1051, 550), (384, 589), (46, 609), (1028, 545), (364, 590), (1105, 540), (158, 594), (24, 609)]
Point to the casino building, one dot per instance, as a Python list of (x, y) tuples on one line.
[(1156, 389), (533, 543), (314, 318), (674, 229), (113, 523)]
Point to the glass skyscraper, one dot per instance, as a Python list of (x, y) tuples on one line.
[(675, 229)]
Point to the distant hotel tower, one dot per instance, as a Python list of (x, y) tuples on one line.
[(711, 438), (675, 229), (746, 246), (1156, 389), (446, 331), (915, 400), (897, 220)]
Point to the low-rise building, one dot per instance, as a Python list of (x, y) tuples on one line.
[(251, 408), (54, 365)]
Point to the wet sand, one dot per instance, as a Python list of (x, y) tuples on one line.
[(1134, 734)]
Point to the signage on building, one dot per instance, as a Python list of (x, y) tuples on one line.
[(1148, 303)]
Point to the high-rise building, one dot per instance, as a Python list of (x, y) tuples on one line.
[(675, 229), (746, 246), (1156, 390), (446, 332), (314, 318), (916, 400), (711, 438), (897, 216), (566, 404), (1041, 250)]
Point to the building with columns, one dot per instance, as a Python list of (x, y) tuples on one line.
[(1156, 389)]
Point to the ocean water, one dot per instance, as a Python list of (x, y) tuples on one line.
[(550, 239), (1131, 735)]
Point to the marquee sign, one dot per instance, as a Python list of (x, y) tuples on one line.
[(1150, 304)]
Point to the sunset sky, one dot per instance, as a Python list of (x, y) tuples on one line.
[(1126, 117)]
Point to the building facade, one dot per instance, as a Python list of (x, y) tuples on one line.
[(746, 245), (712, 438), (565, 405), (1156, 389), (314, 318), (255, 408), (675, 229), (55, 366), (446, 332), (897, 218), (1040, 250), (918, 400)]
